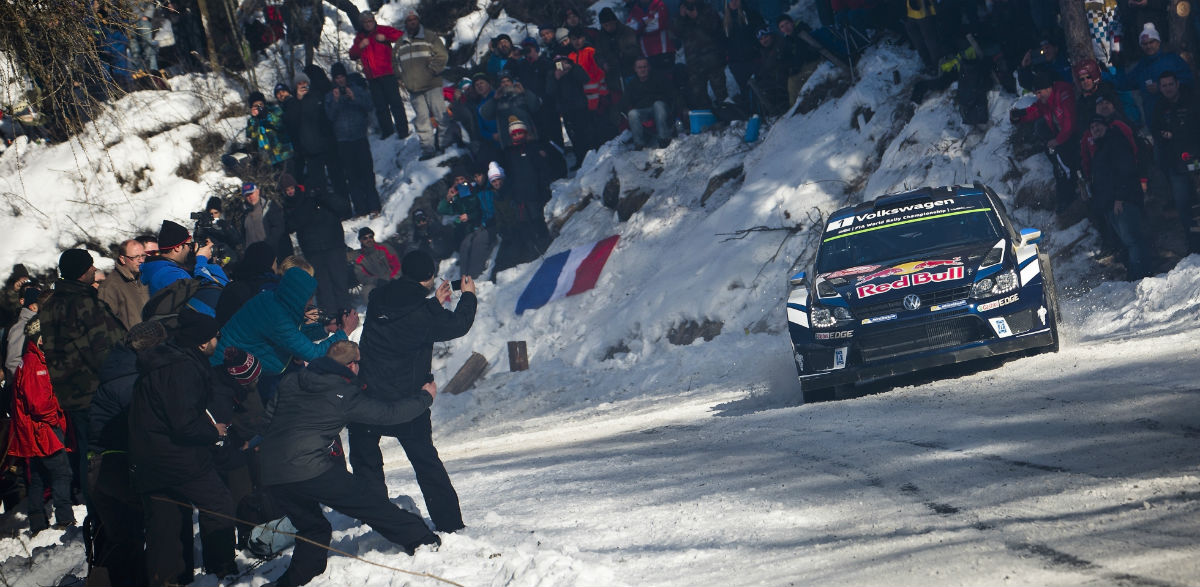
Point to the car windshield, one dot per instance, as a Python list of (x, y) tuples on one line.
[(907, 239)]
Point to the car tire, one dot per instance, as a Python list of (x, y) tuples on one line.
[(1051, 300)]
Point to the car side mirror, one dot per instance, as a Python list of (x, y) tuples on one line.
[(1030, 236), (798, 279)]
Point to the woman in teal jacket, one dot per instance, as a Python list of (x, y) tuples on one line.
[(268, 327)]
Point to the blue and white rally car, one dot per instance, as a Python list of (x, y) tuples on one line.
[(916, 280)]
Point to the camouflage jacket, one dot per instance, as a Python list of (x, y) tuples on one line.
[(78, 330)]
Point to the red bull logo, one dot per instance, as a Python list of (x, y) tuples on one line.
[(909, 268), (951, 274)]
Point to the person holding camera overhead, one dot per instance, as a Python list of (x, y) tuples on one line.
[(176, 251), (402, 324)]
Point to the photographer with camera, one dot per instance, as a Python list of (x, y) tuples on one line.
[(176, 253), (402, 325), (224, 236)]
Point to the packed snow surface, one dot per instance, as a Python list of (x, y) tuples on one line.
[(622, 458)]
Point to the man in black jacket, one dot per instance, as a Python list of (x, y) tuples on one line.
[(170, 447), (319, 232), (1117, 192), (302, 459), (397, 349), (118, 545)]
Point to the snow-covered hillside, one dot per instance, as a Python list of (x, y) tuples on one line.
[(658, 437)]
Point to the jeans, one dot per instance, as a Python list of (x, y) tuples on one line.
[(429, 105), (53, 471), (385, 93), (359, 168), (1128, 226), (1181, 195), (661, 122)]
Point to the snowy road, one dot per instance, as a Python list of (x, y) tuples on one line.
[(1071, 469)]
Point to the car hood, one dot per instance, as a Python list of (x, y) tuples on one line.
[(896, 278)]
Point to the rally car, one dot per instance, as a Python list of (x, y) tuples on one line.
[(916, 280)]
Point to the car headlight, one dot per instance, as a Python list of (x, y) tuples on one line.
[(1001, 284), (823, 317)]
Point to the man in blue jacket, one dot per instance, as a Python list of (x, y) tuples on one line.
[(176, 251), (302, 458)]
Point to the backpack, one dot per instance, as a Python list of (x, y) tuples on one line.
[(166, 304)]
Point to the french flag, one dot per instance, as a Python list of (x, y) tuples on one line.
[(566, 274)]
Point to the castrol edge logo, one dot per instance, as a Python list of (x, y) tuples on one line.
[(911, 274)]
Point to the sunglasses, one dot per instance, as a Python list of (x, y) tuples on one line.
[(135, 257)]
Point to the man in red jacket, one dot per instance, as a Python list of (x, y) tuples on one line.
[(1054, 112), (650, 20), (373, 49)]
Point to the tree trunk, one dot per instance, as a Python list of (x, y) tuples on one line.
[(1178, 14), (351, 11), (1075, 25), (214, 66)]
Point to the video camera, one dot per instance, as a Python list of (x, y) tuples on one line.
[(205, 231)]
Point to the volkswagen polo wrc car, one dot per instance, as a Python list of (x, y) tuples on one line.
[(916, 280)]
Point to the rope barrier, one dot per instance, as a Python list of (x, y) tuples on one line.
[(312, 542)]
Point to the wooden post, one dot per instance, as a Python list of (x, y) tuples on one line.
[(466, 376), (518, 356)]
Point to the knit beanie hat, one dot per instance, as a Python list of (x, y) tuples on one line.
[(495, 171), (1089, 68), (214, 203), (147, 334), (464, 83), (300, 79), (256, 96), (365, 232), (195, 328), (337, 69), (418, 265), (607, 15), (33, 328), (281, 87), (1042, 80), (242, 366), (286, 181), (248, 188), (171, 235), (515, 123), (73, 263), (30, 295), (1149, 32)]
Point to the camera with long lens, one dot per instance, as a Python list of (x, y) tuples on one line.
[(205, 231)]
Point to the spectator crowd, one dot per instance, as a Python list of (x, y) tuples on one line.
[(211, 369)]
